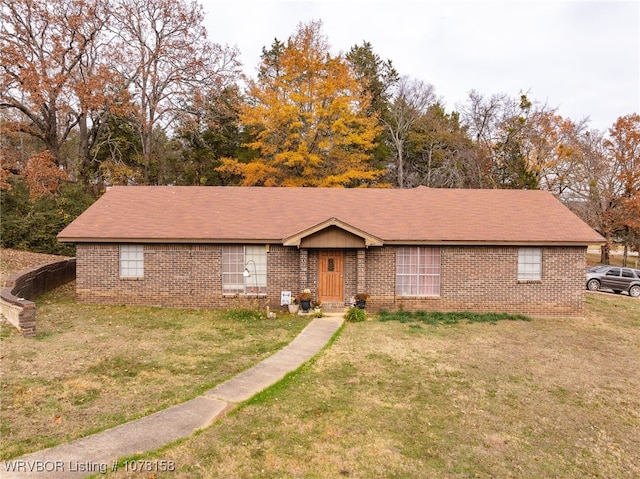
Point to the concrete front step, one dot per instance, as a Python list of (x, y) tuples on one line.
[(334, 307)]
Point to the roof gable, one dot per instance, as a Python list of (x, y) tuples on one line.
[(206, 214), (367, 239)]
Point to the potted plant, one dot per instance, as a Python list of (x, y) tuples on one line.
[(293, 305), (317, 306), (304, 299), (361, 300)]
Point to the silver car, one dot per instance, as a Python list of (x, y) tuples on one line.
[(615, 278)]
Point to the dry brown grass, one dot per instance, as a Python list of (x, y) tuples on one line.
[(93, 367), (547, 398), (615, 258), (13, 261)]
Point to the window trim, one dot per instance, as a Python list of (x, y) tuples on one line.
[(131, 261), (530, 265), (422, 252), (254, 258)]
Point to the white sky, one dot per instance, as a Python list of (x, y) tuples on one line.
[(582, 57)]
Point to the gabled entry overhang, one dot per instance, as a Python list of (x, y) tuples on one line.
[(332, 233)]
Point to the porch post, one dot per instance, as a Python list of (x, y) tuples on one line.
[(361, 271), (304, 260)]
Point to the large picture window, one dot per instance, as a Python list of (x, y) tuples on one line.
[(131, 261), (529, 264), (418, 271), (235, 260)]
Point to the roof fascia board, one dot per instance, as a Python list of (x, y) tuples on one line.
[(491, 243), (171, 240)]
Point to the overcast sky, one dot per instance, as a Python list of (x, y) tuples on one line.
[(582, 57)]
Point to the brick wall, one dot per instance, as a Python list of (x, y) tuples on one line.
[(484, 279), (473, 278), (283, 272), (175, 275), (350, 273)]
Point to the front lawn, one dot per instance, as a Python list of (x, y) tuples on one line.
[(93, 367), (523, 399)]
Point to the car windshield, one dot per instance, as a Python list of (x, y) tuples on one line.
[(601, 269)]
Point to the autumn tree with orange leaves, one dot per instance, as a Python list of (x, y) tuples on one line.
[(55, 82), (309, 116), (623, 146)]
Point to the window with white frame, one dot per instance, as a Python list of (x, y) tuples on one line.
[(529, 264), (418, 271), (131, 261), (238, 258)]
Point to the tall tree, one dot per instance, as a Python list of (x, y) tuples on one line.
[(553, 145), (623, 147), (438, 152), (378, 77), (597, 176), (410, 101), (118, 153), (481, 117), (51, 76), (310, 118), (520, 143), (594, 187), (208, 132), (166, 58), (511, 168)]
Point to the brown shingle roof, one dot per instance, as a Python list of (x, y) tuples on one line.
[(247, 214)]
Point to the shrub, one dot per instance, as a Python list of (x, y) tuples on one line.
[(244, 314), (355, 315), (33, 224)]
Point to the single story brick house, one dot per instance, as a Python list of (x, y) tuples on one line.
[(416, 249)]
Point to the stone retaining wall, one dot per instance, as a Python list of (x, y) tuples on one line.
[(20, 289)]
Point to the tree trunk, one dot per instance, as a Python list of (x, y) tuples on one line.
[(604, 252), (146, 153), (83, 148), (52, 141), (400, 167)]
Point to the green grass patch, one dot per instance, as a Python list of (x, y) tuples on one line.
[(435, 317)]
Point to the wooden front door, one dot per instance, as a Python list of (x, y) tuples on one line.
[(330, 276)]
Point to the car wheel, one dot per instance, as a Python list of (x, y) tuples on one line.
[(634, 291), (593, 285)]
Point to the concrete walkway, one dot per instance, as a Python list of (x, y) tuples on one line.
[(100, 452)]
